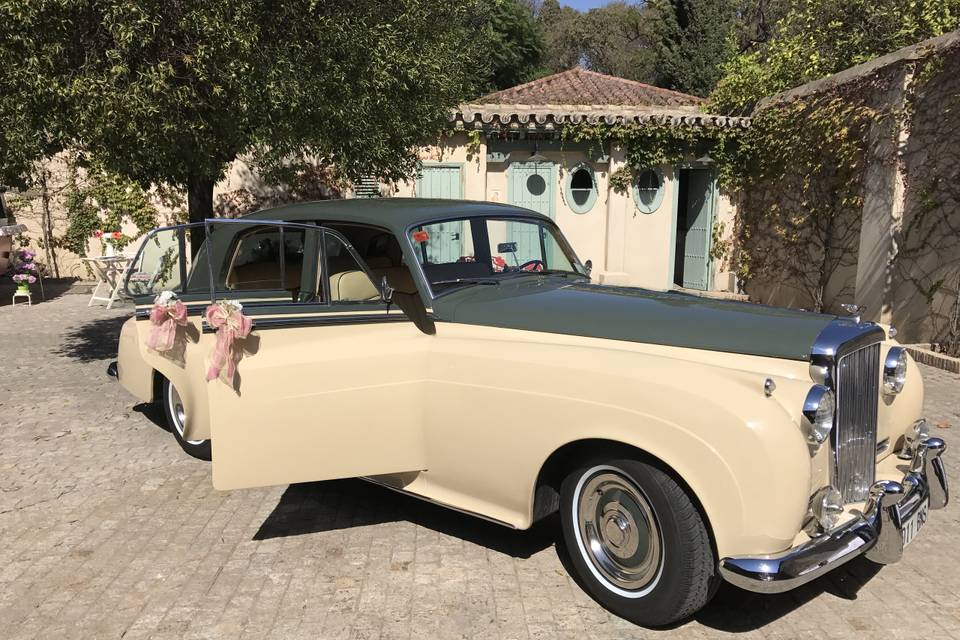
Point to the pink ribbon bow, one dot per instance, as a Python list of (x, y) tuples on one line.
[(165, 318), (230, 325)]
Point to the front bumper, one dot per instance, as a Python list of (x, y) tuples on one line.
[(874, 532)]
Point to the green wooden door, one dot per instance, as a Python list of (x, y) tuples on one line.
[(696, 228), (532, 185), (443, 181)]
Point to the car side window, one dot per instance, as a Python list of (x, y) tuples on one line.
[(349, 281), (267, 259)]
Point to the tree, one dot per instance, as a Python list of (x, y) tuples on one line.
[(517, 45), (694, 38), (563, 34), (171, 91), (620, 41), (817, 38), (615, 39)]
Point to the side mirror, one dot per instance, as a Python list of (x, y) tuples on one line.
[(386, 291), (588, 265)]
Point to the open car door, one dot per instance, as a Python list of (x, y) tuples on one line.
[(328, 383)]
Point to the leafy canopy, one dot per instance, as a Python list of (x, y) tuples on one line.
[(615, 39), (516, 48), (817, 38), (171, 91), (694, 38)]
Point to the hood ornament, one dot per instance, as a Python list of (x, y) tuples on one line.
[(854, 310)]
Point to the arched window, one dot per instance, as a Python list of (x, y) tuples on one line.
[(648, 190), (581, 189)]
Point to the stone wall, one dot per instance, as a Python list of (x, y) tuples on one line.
[(897, 253)]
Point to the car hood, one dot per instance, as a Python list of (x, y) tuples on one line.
[(555, 305)]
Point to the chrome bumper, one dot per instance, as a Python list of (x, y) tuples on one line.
[(875, 532)]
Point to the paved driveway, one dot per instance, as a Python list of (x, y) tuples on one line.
[(107, 530)]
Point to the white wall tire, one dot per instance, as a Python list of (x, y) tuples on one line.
[(173, 409), (636, 542)]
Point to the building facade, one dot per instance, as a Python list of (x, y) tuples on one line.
[(507, 147)]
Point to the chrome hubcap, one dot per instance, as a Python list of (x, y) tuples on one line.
[(618, 531), (179, 414)]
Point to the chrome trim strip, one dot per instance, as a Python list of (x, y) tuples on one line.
[(875, 532), (320, 320), (436, 502)]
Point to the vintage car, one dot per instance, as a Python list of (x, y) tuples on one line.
[(458, 352)]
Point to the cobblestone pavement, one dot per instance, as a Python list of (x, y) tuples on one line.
[(107, 530)]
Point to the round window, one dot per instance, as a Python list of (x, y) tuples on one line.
[(648, 190), (581, 189), (536, 185)]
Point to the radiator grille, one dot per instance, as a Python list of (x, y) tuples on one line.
[(855, 435)]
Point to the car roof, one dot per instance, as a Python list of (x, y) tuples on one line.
[(395, 214)]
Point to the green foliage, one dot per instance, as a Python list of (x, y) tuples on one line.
[(103, 201), (615, 39), (171, 91), (819, 37), (516, 48), (694, 39)]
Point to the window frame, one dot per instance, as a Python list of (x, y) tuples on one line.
[(568, 189), (197, 294), (642, 206), (410, 248)]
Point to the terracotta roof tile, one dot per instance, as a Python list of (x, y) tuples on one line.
[(582, 87)]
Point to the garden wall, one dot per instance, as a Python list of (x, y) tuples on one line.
[(888, 212)]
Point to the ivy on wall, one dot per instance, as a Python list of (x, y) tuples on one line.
[(103, 200)]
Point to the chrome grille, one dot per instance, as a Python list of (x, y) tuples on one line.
[(855, 433)]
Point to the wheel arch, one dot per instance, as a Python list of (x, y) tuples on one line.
[(546, 491)]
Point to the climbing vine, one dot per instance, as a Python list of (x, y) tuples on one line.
[(100, 200)]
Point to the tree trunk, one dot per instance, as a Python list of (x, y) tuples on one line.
[(47, 225), (200, 207)]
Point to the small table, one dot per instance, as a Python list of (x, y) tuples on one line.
[(109, 272)]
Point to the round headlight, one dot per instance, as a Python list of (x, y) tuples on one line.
[(826, 507), (819, 408), (894, 370)]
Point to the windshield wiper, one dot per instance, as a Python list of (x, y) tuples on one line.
[(467, 281)]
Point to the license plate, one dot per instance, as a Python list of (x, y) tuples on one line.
[(912, 526)]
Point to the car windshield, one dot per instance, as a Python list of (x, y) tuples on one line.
[(483, 251)]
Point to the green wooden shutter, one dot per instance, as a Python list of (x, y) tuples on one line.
[(443, 181), (698, 230), (531, 185)]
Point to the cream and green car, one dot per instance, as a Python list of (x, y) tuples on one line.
[(458, 352)]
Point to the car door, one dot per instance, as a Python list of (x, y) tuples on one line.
[(329, 384)]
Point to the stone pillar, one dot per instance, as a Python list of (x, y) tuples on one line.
[(883, 204)]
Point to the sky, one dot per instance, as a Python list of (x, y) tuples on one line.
[(584, 5)]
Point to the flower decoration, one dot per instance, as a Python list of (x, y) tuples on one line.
[(25, 270), (116, 235), (227, 318), (97, 233), (167, 314)]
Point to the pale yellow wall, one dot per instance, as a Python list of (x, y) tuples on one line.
[(626, 246)]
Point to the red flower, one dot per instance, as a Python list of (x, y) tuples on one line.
[(97, 233), (116, 235)]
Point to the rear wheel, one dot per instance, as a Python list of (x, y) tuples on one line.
[(636, 541), (177, 419)]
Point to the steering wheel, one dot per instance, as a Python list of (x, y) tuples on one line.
[(531, 265)]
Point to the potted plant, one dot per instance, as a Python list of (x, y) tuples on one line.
[(24, 270)]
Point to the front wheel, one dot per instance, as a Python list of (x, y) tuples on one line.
[(636, 542), (176, 420)]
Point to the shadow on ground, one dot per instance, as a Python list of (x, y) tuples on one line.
[(314, 507), (736, 611), (53, 288), (92, 340)]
